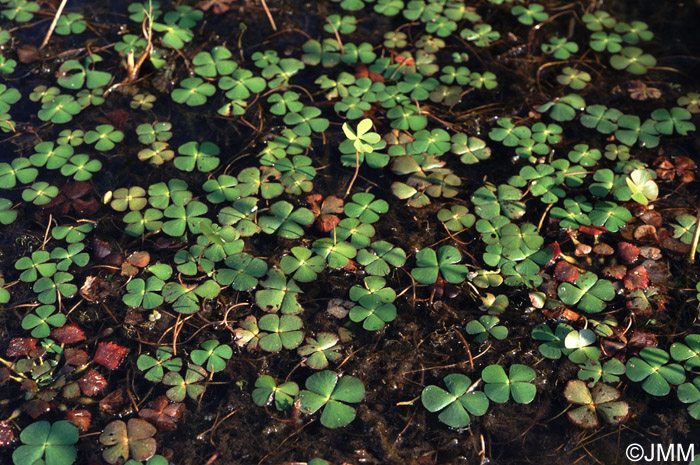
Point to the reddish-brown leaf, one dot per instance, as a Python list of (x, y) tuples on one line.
[(6, 433), (109, 354), (87, 206), (116, 117), (664, 168), (592, 230), (556, 252), (628, 252), (20, 346), (27, 53), (326, 223), (140, 259), (361, 71), (80, 418), (685, 169), (565, 271), (76, 189), (68, 334), (603, 249), (637, 278), (4, 375), (92, 383), (112, 402), (75, 357), (163, 414), (36, 407), (582, 250), (615, 271)]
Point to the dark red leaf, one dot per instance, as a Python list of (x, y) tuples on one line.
[(628, 252), (87, 206), (20, 346), (6, 433), (37, 352), (109, 354), (637, 278), (80, 418), (565, 271), (76, 189), (92, 383), (116, 117), (603, 249), (75, 357), (4, 375), (615, 271), (36, 407), (68, 334)]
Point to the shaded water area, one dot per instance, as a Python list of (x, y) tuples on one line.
[(428, 339)]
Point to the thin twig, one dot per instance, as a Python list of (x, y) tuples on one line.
[(696, 237), (269, 15), (53, 23)]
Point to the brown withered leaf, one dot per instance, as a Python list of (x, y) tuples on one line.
[(163, 414), (646, 233), (652, 218), (657, 270), (640, 91), (113, 402), (652, 253), (95, 289), (603, 249)]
